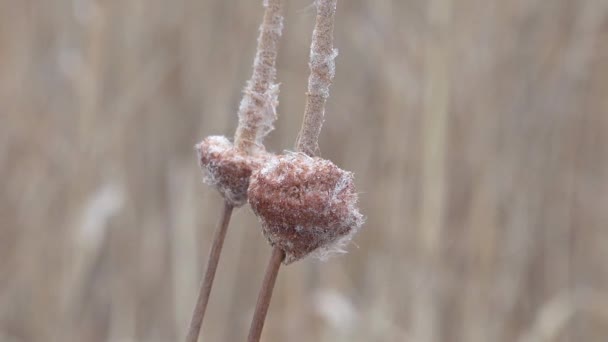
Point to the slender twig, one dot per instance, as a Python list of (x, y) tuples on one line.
[(322, 70), (259, 316), (214, 257)]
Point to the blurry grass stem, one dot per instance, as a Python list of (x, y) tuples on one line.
[(434, 155)]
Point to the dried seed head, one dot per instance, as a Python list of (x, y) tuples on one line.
[(227, 168), (305, 204)]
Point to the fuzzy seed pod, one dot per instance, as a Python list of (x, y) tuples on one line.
[(227, 168), (305, 204)]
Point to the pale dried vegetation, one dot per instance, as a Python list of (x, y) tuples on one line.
[(476, 131)]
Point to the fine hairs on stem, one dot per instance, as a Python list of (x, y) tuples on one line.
[(322, 67), (322, 71), (228, 167), (257, 110)]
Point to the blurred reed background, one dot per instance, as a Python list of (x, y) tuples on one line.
[(477, 130)]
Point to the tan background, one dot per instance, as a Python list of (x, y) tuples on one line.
[(477, 130)]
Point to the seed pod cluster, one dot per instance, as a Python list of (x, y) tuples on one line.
[(305, 204), (227, 168)]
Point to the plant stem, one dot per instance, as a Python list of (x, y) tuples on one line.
[(257, 113), (257, 110), (214, 257), (322, 70), (272, 270)]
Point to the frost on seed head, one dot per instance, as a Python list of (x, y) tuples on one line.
[(226, 168), (305, 204)]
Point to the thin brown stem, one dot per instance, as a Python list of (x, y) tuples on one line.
[(214, 257), (261, 308), (322, 70)]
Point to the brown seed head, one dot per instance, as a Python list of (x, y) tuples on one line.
[(227, 168), (305, 204)]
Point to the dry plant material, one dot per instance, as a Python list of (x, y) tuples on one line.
[(322, 71), (257, 111), (227, 167), (305, 205)]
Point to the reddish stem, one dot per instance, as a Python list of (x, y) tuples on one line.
[(214, 257), (259, 316)]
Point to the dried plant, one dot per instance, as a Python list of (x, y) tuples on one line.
[(322, 71), (229, 166), (304, 203), (489, 197), (257, 111)]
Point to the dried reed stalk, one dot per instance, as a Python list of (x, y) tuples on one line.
[(322, 67), (257, 113)]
